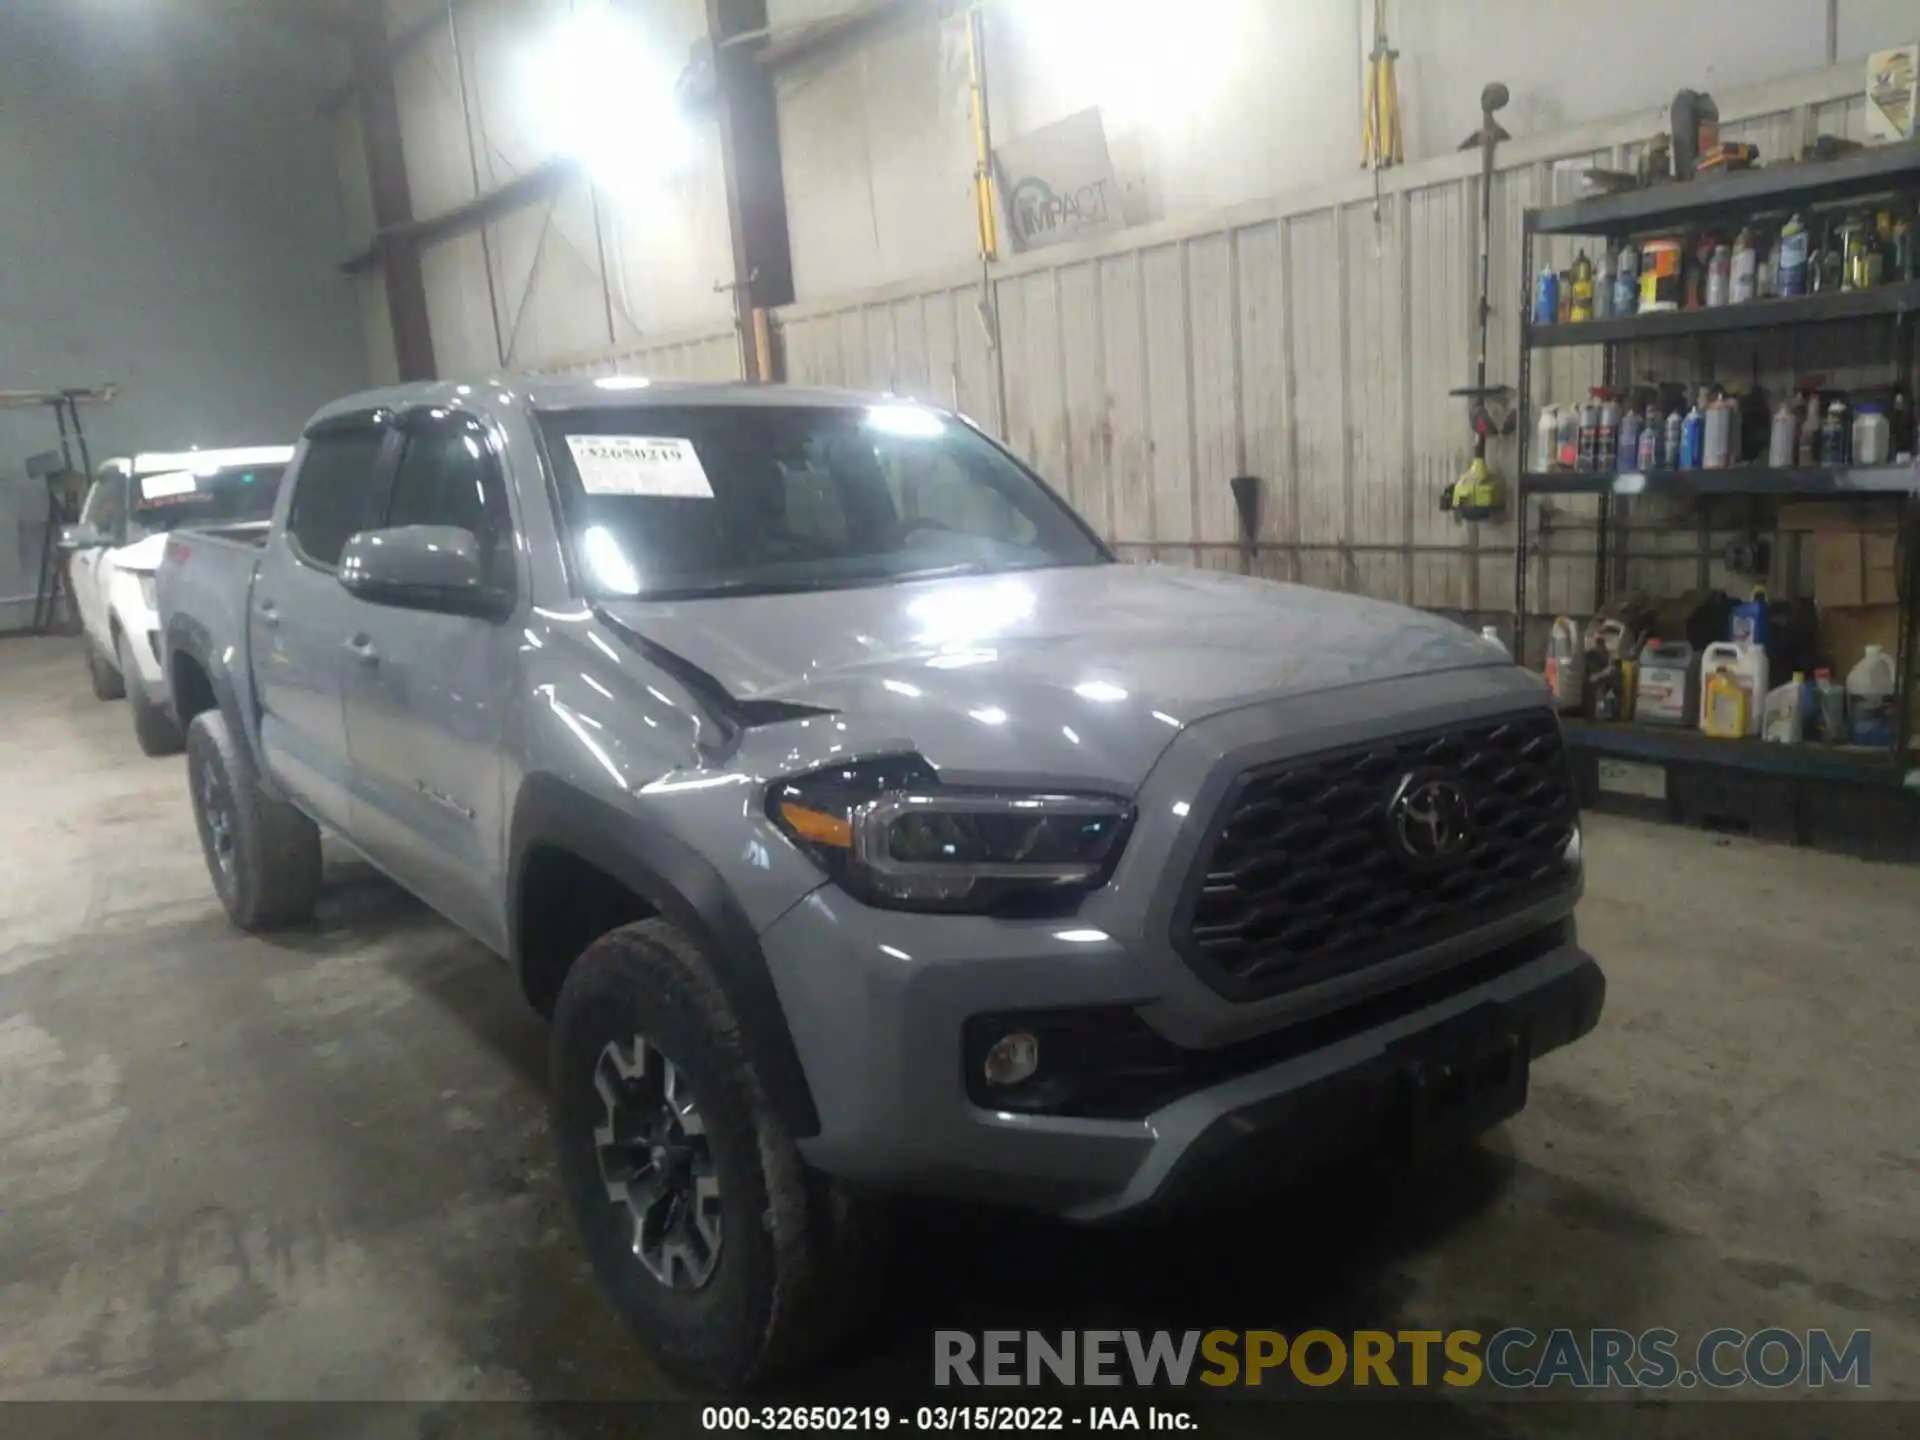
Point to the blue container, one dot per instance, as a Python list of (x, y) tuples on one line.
[(1692, 432), (1747, 621), (1546, 298)]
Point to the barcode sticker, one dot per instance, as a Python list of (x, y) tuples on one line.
[(639, 465)]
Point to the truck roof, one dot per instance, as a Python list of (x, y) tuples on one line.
[(157, 462), (580, 392)]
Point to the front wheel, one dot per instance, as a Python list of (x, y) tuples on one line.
[(154, 730), (262, 854), (732, 1261)]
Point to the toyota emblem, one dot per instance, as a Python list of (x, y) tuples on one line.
[(1429, 818)]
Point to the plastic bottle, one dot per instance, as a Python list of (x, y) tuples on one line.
[(1733, 687), (1566, 670), (1716, 439), (1871, 434), (1606, 436), (1783, 721), (1546, 297), (1569, 438), (1782, 437), (1743, 275), (1581, 306), (1587, 461), (1546, 439), (1692, 434), (1673, 437), (1830, 698), (1870, 699), (1649, 456), (1835, 438), (1603, 287), (1808, 446), (1630, 426), (1790, 276), (1747, 621), (1719, 276), (1626, 280)]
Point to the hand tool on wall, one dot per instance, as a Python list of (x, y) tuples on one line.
[(1476, 495)]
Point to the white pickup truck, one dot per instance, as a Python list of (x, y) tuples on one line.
[(115, 548)]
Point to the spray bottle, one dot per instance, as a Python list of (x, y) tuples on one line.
[(1693, 435)]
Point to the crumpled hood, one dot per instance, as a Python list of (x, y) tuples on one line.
[(141, 555), (1078, 673)]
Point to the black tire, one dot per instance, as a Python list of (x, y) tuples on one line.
[(796, 1251), (154, 730), (262, 854), (106, 681)]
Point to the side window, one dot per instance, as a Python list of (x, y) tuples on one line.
[(106, 507), (447, 476), (333, 491)]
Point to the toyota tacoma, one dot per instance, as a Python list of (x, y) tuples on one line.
[(865, 828)]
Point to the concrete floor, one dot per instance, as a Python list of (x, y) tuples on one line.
[(317, 1166)]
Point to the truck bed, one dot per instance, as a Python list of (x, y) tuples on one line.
[(204, 587)]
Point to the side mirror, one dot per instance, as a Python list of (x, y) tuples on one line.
[(422, 567), (78, 537)]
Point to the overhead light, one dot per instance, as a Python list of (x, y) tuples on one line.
[(600, 95)]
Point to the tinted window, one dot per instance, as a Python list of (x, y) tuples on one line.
[(226, 497), (665, 500), (106, 507), (333, 494), (447, 476)]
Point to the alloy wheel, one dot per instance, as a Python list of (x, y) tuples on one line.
[(655, 1163)]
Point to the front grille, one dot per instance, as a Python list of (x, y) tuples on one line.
[(1306, 875)]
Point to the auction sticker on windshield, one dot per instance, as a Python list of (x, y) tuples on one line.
[(639, 465), (168, 486)]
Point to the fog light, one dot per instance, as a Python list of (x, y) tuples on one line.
[(1012, 1058)]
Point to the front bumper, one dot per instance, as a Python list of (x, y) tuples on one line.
[(879, 1002), (887, 1076)]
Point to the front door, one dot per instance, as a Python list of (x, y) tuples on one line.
[(299, 617), (106, 511), (426, 693)]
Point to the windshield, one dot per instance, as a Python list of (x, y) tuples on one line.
[(699, 500), (226, 497)]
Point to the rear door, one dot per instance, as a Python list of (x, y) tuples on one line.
[(299, 619), (426, 691)]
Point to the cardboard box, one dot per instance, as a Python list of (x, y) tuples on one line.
[(1854, 567), (1893, 92)]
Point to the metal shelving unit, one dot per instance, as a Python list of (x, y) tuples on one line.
[(1672, 208)]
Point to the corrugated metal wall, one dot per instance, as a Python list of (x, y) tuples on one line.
[(1310, 342)]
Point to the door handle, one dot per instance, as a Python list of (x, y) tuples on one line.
[(269, 613), (362, 649)]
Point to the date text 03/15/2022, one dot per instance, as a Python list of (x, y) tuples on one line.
[(943, 1419)]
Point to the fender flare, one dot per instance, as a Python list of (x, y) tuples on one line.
[(188, 637), (686, 889)]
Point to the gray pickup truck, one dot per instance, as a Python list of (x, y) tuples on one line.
[(865, 828)]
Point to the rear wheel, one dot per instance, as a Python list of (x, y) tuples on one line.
[(262, 854), (106, 680), (156, 732), (733, 1262)]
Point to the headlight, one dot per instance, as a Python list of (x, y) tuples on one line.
[(149, 592), (891, 834)]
